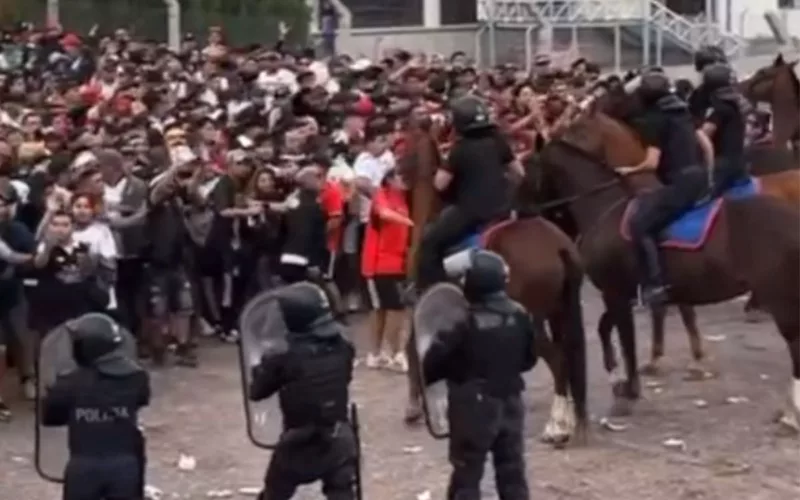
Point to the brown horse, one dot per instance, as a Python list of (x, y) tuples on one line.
[(546, 277), (775, 182), (778, 86), (753, 245)]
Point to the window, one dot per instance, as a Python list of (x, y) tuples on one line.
[(385, 13)]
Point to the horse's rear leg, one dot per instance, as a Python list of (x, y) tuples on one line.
[(628, 389), (561, 423), (605, 327), (753, 313), (657, 319), (413, 412), (697, 369)]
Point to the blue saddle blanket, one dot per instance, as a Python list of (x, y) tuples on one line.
[(690, 231), (472, 240)]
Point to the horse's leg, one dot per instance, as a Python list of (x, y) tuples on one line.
[(790, 330), (627, 390), (697, 369), (559, 427), (605, 327), (413, 413), (753, 312), (657, 318)]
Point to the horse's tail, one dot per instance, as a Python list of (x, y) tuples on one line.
[(575, 339)]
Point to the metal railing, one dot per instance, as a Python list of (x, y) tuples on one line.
[(688, 34)]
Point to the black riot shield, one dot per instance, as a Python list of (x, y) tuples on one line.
[(441, 307), (54, 359), (262, 333)]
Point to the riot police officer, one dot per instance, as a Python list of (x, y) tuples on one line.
[(699, 100), (100, 403), (724, 126), (482, 360), (474, 179), (673, 153), (312, 379)]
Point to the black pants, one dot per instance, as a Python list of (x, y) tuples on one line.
[(107, 478), (727, 174), (480, 424), (452, 225), (657, 210), (332, 459), (130, 293)]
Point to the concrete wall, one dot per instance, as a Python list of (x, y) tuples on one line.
[(595, 44)]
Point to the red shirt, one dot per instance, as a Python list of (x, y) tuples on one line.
[(386, 242), (331, 198)]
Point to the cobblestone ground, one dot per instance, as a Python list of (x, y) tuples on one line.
[(732, 452)]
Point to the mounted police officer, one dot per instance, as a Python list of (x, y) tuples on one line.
[(700, 100), (312, 379), (100, 403), (474, 180), (724, 125), (673, 153), (482, 359)]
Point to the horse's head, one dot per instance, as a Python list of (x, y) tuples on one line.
[(777, 80), (584, 156)]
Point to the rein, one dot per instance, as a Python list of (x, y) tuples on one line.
[(568, 200)]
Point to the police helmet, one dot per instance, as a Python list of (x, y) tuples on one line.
[(488, 274), (717, 75), (708, 54), (470, 113), (98, 342), (306, 309), (654, 85)]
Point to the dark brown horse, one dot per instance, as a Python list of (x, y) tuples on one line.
[(546, 277), (775, 181), (778, 86), (754, 244)]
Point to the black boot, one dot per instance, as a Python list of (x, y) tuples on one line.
[(654, 291)]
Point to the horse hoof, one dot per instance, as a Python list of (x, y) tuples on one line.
[(788, 424), (557, 441), (650, 369), (621, 408), (618, 390), (698, 374), (413, 415)]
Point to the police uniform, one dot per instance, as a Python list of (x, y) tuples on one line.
[(482, 360), (100, 403), (312, 379), (479, 190), (726, 115), (668, 127)]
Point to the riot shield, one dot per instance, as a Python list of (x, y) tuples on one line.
[(262, 332), (55, 358), (438, 310)]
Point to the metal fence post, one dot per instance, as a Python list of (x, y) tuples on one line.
[(53, 9), (173, 24)]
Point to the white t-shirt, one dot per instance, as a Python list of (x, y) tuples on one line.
[(101, 242), (281, 78), (374, 169)]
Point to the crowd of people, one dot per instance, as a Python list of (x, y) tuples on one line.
[(166, 188)]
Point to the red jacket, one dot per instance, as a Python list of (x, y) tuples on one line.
[(385, 242)]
